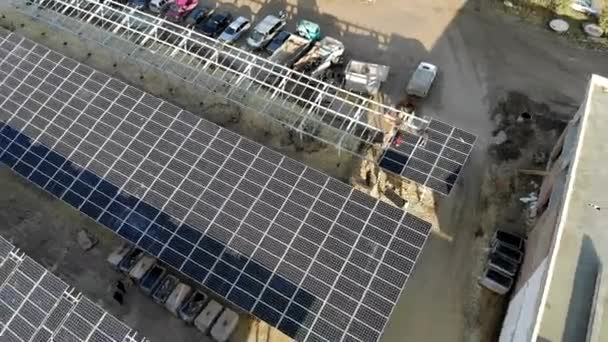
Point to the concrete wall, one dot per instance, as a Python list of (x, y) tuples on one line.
[(518, 325), (524, 306)]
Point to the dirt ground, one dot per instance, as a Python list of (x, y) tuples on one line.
[(492, 68)]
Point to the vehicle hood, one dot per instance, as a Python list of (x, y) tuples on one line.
[(225, 37), (206, 27)]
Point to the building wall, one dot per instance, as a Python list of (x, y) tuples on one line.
[(518, 325), (520, 321)]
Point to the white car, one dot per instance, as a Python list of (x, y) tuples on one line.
[(422, 80), (263, 33), (235, 30), (157, 6), (584, 6)]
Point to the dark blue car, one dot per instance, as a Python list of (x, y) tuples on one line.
[(198, 15), (138, 4), (215, 25)]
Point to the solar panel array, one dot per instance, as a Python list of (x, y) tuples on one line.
[(35, 305), (433, 158), (435, 165), (302, 251)]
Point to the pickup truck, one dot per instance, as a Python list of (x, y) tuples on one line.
[(290, 51), (365, 78), (322, 55)]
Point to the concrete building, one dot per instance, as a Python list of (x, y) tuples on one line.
[(560, 293)]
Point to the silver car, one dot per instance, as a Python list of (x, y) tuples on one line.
[(263, 33), (235, 30)]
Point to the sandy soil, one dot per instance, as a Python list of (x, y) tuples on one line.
[(483, 57)]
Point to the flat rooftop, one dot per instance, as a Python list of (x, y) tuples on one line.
[(582, 248)]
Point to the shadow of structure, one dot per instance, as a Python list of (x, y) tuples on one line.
[(583, 290)]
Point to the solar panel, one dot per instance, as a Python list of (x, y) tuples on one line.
[(433, 157), (440, 150), (35, 305), (300, 250)]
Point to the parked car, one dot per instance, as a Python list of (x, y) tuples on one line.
[(235, 30), (127, 263), (198, 15), (507, 252), (224, 326), (116, 257), (309, 30), (138, 4), (365, 78), (157, 6), (277, 41), (422, 80), (193, 306), (509, 239), (215, 25), (141, 268), (206, 318), (152, 278), (164, 289), (263, 33), (177, 11), (503, 264), (496, 281), (177, 297)]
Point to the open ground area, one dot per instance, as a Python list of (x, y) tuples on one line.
[(493, 68)]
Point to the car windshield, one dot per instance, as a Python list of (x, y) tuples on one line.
[(212, 24), (281, 37), (230, 30), (256, 36)]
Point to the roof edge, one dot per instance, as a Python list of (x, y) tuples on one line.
[(593, 81)]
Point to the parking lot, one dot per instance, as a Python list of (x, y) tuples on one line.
[(482, 56)]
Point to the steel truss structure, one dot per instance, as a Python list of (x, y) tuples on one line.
[(35, 305), (305, 104), (304, 252)]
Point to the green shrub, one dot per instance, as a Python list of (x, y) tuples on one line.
[(603, 20)]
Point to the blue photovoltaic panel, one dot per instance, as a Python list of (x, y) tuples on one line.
[(38, 306), (433, 157), (298, 249)]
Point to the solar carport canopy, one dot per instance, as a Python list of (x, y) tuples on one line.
[(38, 306), (302, 251)]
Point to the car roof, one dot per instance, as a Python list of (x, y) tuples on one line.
[(283, 35), (221, 15), (238, 21), (202, 10), (268, 22)]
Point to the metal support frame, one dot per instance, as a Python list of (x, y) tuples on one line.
[(334, 111)]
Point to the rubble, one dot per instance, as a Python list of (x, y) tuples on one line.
[(500, 138), (530, 210), (85, 240)]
